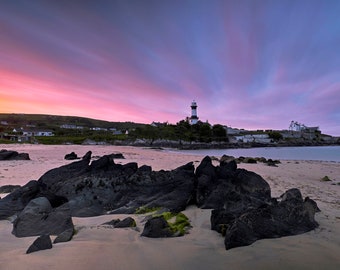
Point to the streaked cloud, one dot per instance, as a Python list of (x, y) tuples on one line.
[(248, 64)]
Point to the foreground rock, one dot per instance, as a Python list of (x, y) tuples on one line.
[(38, 217), (290, 216), (243, 208), (13, 155), (102, 186), (41, 243)]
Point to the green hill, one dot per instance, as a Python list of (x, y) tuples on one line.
[(54, 122)]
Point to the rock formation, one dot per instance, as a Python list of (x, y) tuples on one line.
[(243, 210)]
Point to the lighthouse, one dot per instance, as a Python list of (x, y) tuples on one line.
[(193, 119)]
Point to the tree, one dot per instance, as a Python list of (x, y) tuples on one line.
[(275, 135), (219, 133)]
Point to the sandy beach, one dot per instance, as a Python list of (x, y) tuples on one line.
[(99, 247)]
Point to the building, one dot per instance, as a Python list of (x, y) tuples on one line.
[(193, 118), (30, 133)]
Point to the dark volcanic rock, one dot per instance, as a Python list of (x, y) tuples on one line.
[(157, 227), (71, 156), (39, 217), (93, 189), (18, 199), (243, 210), (65, 236), (227, 187), (41, 243), (13, 155), (291, 216)]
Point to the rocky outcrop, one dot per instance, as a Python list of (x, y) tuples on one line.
[(102, 186), (227, 187), (290, 216), (243, 210), (13, 155)]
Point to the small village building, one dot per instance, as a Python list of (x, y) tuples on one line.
[(36, 133), (250, 138)]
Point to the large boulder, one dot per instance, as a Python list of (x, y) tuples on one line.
[(290, 216), (16, 201), (38, 217)]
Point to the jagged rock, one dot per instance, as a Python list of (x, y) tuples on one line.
[(13, 155), (65, 236), (291, 216), (71, 156), (157, 227), (41, 243), (93, 189), (18, 199), (229, 187), (243, 208), (39, 217)]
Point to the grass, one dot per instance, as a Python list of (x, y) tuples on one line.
[(179, 226), (325, 179)]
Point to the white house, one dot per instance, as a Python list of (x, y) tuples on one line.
[(30, 133)]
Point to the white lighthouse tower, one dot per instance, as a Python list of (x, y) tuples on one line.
[(193, 119)]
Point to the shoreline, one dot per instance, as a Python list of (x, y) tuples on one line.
[(102, 248)]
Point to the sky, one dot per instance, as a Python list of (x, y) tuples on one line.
[(251, 64)]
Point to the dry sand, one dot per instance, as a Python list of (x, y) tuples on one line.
[(98, 247)]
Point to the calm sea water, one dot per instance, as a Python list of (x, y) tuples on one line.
[(324, 153)]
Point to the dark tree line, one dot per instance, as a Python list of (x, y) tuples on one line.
[(182, 131)]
